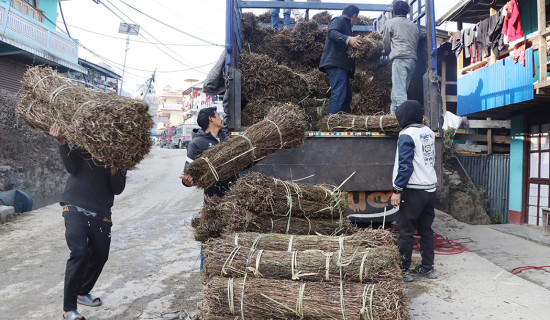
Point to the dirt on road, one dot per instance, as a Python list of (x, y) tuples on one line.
[(153, 268)]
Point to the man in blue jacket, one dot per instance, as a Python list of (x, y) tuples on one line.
[(414, 186), (209, 135), (87, 200), (335, 61)]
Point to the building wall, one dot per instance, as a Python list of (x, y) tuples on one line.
[(516, 169), (50, 11)]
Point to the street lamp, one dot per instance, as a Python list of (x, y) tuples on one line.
[(128, 29)]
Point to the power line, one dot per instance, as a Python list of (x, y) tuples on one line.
[(180, 62), (139, 41), (171, 27)]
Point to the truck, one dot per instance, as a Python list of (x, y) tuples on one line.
[(166, 137), (361, 165), (183, 135)]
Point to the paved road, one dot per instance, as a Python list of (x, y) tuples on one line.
[(152, 272)]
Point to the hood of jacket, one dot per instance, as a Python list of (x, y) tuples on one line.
[(409, 112)]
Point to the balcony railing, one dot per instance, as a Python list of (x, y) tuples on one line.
[(25, 32)]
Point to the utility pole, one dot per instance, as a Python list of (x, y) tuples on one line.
[(128, 29), (151, 80)]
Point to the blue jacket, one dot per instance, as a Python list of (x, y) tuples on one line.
[(415, 156), (335, 52)]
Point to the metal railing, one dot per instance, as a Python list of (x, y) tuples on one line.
[(25, 30)]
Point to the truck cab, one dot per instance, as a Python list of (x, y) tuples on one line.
[(360, 164), (166, 137), (182, 137)]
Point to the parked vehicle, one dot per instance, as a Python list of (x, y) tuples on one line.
[(331, 159), (183, 135), (166, 137)]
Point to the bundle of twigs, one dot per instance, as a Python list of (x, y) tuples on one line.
[(283, 128), (250, 298), (219, 216), (362, 264), (113, 129), (349, 122), (266, 195), (370, 48), (362, 238)]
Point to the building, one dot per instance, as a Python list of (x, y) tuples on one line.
[(28, 37), (170, 108), (516, 93), (99, 77)]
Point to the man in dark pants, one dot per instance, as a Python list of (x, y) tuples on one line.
[(414, 186), (87, 200), (335, 61)]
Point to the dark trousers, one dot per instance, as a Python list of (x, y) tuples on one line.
[(416, 212), (89, 240), (340, 94)]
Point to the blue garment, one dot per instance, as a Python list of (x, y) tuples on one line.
[(401, 74), (340, 96), (335, 51), (275, 16)]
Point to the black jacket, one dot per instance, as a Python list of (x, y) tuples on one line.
[(90, 186), (203, 141), (335, 52)]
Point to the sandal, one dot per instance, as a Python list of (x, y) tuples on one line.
[(88, 300), (73, 315)]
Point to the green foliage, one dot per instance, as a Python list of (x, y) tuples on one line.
[(449, 153)]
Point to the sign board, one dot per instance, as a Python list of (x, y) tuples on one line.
[(131, 29)]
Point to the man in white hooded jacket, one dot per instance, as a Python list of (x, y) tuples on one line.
[(414, 186)]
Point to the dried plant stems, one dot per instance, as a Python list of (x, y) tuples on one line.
[(349, 122), (362, 264), (363, 238), (249, 298), (113, 129), (283, 128)]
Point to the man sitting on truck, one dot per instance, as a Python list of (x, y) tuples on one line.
[(400, 40), (210, 135), (414, 181), (335, 61)]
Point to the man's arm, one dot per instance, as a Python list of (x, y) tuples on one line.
[(405, 146), (386, 39), (71, 159), (192, 153), (335, 31), (117, 180)]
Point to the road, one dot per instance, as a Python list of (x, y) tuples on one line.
[(153, 269)]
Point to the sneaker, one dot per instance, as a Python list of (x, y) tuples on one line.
[(425, 272), (406, 275)]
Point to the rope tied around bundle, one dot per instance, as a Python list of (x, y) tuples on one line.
[(212, 168)]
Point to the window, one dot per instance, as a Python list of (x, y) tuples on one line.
[(538, 177), (29, 8)]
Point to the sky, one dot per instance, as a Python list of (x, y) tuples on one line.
[(181, 39)]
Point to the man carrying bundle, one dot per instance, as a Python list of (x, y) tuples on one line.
[(335, 61), (87, 200), (210, 135), (400, 40), (414, 181)]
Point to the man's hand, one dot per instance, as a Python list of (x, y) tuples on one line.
[(395, 199), (354, 42), (187, 180), (54, 132)]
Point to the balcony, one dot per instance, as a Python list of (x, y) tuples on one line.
[(25, 35)]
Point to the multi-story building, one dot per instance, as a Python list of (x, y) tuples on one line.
[(512, 87), (170, 108), (28, 37)]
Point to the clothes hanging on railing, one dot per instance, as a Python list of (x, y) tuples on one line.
[(456, 42), (496, 37), (512, 23), (483, 38), (468, 39)]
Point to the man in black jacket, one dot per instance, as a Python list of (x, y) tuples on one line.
[(210, 135), (335, 61), (87, 200)]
